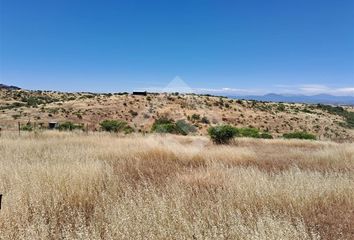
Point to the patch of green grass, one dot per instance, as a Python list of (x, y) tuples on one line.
[(299, 135), (69, 126)]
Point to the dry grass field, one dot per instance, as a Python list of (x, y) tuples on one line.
[(101, 186)]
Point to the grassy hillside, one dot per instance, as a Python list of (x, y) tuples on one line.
[(59, 185), (140, 112)]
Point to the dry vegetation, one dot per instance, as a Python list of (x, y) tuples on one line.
[(100, 186)]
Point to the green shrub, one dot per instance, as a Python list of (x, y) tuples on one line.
[(128, 130), (166, 128), (266, 135), (133, 113), (161, 121), (27, 127), (281, 107), (299, 135), (222, 134), (242, 132), (195, 117), (248, 132), (165, 125), (205, 120), (113, 125), (69, 126), (340, 111), (184, 128), (12, 105), (16, 116)]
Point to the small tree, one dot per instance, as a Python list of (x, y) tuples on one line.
[(222, 134), (113, 125)]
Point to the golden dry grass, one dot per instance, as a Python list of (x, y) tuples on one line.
[(100, 186)]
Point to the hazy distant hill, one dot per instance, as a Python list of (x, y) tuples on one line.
[(3, 86), (320, 98)]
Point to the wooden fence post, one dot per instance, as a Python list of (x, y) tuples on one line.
[(19, 128), (0, 200)]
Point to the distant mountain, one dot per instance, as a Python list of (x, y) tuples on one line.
[(3, 86), (320, 98)]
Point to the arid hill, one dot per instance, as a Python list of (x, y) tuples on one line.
[(41, 107)]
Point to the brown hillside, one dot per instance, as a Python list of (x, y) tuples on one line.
[(40, 107)]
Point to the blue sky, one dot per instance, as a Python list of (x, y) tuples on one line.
[(240, 47)]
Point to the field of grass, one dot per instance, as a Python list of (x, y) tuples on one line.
[(101, 186)]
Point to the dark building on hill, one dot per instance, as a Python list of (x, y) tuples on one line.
[(140, 93), (53, 125)]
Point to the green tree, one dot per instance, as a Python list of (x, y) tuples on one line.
[(222, 134)]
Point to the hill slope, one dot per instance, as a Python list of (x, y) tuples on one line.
[(140, 112)]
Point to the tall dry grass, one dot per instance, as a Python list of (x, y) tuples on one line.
[(100, 186)]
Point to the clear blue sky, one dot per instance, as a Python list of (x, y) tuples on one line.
[(246, 47)]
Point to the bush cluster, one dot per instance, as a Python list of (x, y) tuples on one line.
[(166, 125), (340, 111), (69, 126), (224, 133), (299, 135), (116, 126), (27, 127)]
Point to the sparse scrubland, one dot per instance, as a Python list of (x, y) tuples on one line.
[(69, 185), (182, 114)]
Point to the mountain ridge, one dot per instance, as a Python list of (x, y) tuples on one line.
[(8, 87), (300, 98)]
